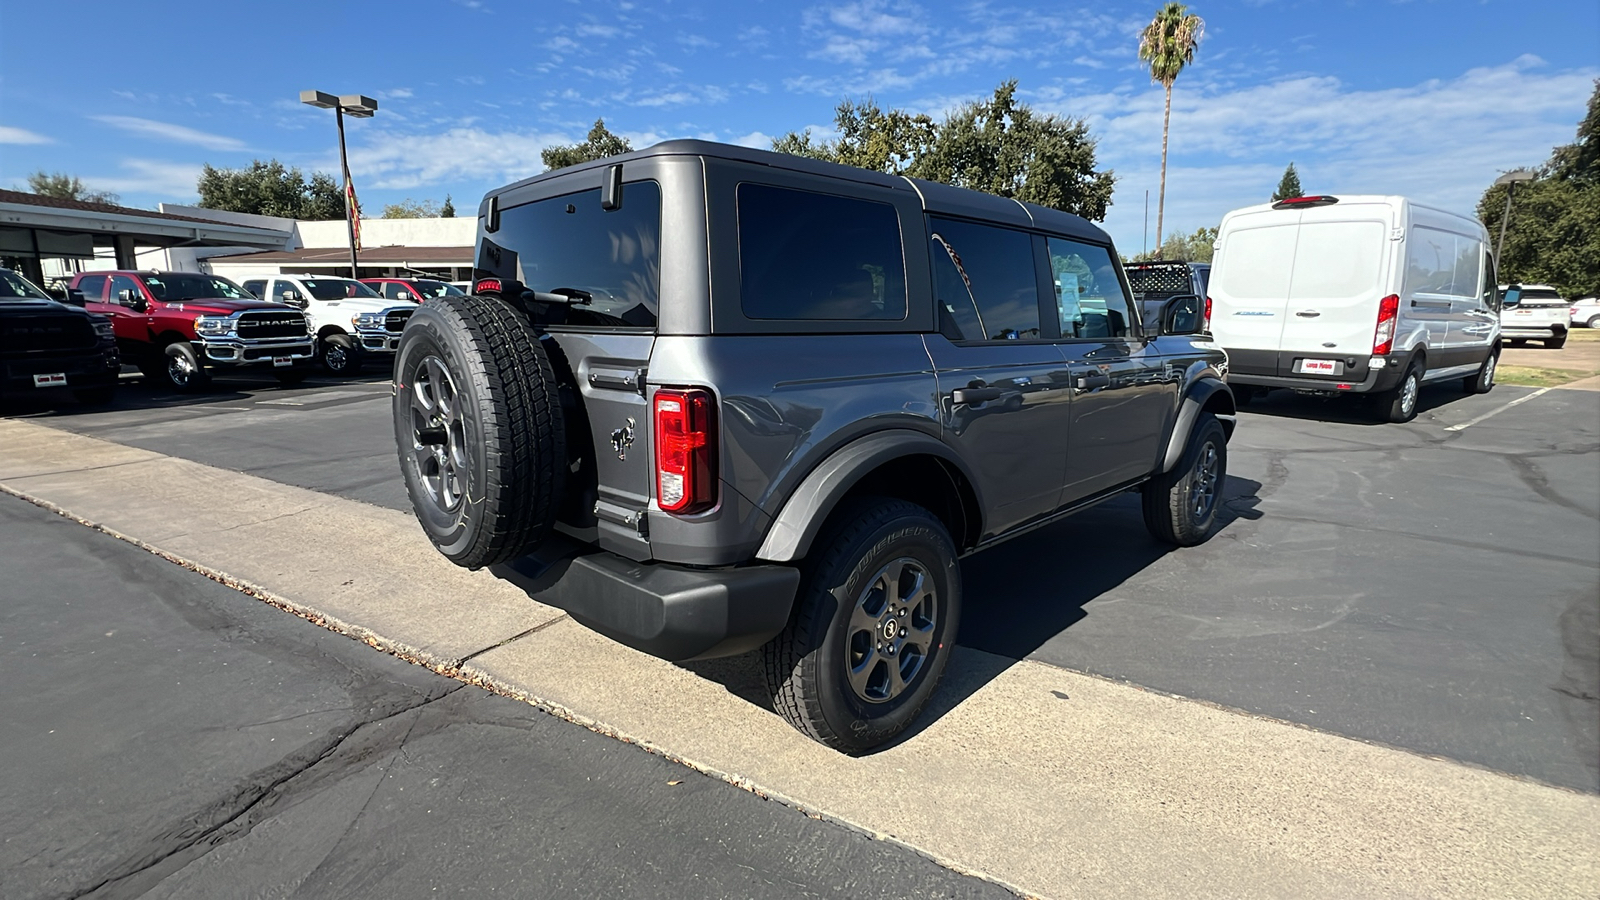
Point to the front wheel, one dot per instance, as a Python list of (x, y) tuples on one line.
[(1180, 506), (877, 614), (183, 371), (340, 355)]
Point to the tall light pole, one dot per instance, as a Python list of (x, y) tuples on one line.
[(362, 108), (1510, 180)]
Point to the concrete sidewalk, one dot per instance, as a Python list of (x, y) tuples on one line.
[(1056, 783)]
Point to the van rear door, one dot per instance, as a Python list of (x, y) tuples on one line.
[(1335, 283), (1250, 290)]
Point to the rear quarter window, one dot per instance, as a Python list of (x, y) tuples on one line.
[(805, 255)]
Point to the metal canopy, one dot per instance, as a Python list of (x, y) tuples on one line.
[(63, 225)]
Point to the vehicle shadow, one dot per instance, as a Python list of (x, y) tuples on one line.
[(1347, 410), (1019, 595), (134, 392)]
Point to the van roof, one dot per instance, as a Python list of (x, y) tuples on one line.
[(936, 197), (1391, 200)]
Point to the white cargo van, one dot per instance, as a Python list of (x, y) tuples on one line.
[(1360, 295)]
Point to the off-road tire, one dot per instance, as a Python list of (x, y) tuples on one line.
[(1180, 505), (95, 396), (1556, 343), (181, 369), (1482, 381), (511, 445), (1393, 405), (288, 377), (807, 664), (339, 354)]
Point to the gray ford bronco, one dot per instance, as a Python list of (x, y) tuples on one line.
[(710, 400)]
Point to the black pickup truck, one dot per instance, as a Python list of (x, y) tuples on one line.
[(47, 344)]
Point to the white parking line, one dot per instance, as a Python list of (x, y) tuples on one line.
[(1496, 411)]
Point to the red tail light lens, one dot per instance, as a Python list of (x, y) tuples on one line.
[(1207, 328), (487, 286), (686, 452), (1383, 336)]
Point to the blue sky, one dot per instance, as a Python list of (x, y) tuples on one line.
[(1427, 99)]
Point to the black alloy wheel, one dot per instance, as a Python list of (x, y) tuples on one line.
[(1180, 506)]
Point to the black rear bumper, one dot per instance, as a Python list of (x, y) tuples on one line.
[(674, 612)]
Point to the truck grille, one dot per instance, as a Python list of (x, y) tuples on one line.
[(256, 325), (27, 333), (395, 321)]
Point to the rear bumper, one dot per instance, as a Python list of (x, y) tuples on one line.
[(674, 612), (1377, 380), (1553, 330)]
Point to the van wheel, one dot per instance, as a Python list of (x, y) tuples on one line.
[(340, 355), (1483, 381), (183, 371), (1400, 404), (477, 421), (1180, 506), (877, 615)]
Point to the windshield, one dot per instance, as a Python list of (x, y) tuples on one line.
[(175, 286), (437, 289), (337, 288), (15, 287)]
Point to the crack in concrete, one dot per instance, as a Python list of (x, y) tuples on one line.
[(515, 637)]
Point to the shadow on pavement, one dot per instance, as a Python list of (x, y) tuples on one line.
[(1355, 409)]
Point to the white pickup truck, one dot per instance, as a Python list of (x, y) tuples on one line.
[(352, 321)]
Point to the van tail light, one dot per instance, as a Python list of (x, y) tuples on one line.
[(1207, 328), (1383, 337), (686, 451)]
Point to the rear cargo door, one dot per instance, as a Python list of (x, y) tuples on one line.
[(1250, 290), (1335, 284)]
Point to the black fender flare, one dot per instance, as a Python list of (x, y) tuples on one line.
[(796, 525), (1194, 400)]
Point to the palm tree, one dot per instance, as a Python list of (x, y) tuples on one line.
[(1166, 45)]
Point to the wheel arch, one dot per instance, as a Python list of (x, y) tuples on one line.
[(1207, 394), (903, 464)]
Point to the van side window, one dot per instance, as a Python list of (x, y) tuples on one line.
[(1441, 264), (1090, 298), (804, 255), (610, 260), (984, 283)]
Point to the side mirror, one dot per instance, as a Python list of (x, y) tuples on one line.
[(1183, 314), (1512, 296), (131, 299), (290, 298), (405, 295)]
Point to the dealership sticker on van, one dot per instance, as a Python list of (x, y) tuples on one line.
[(1320, 367)]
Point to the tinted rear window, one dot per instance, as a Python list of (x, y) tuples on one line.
[(569, 242), (804, 255)]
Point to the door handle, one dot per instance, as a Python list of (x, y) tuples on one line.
[(1308, 314), (971, 396), (1089, 379)]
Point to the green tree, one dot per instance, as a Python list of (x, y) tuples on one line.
[(997, 145), (1166, 46), (600, 144), (412, 209), (1553, 236), (448, 210), (1288, 185), (270, 189), (67, 187), (1196, 247)]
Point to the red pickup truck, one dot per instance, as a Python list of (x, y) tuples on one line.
[(181, 327)]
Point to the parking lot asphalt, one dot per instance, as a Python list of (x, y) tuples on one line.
[(166, 736), (1427, 586)]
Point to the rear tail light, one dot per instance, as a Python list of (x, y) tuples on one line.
[(686, 452), (1383, 336), (1207, 328), (487, 286)]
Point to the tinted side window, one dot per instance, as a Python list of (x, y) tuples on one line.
[(120, 283), (255, 286), (609, 260), (279, 286), (804, 255), (984, 280), (1089, 296), (93, 288)]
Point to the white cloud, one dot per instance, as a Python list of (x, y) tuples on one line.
[(395, 94), (161, 178), (406, 161), (10, 135), (169, 132), (755, 140)]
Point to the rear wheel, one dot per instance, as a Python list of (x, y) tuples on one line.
[(1594, 322), (1557, 342), (340, 355), (1180, 506), (1400, 404), (1483, 381), (477, 420), (183, 371), (878, 611)]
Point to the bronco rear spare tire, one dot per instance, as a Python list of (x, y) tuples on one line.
[(477, 422)]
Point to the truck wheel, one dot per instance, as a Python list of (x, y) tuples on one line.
[(183, 371), (1180, 506), (477, 420), (1557, 342), (1483, 381), (877, 614), (340, 355), (1400, 404)]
